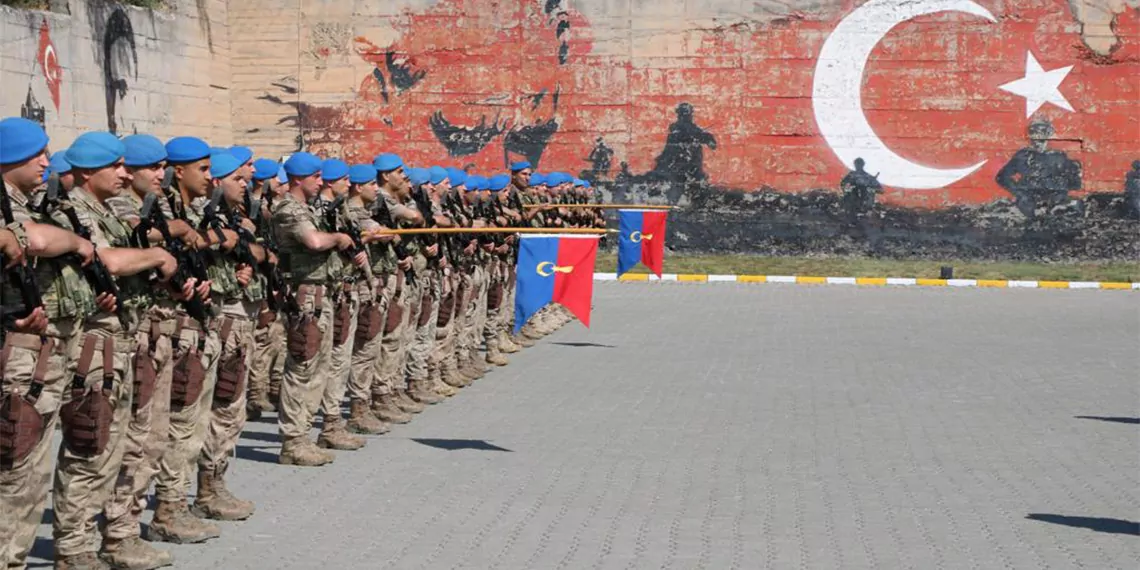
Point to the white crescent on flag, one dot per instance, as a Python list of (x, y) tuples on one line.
[(837, 100)]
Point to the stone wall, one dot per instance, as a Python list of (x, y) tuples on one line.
[(93, 65)]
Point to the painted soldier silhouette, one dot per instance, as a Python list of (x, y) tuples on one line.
[(1037, 176), (600, 158), (859, 190), (1132, 190), (682, 161)]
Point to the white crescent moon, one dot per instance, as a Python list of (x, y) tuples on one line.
[(49, 55), (837, 98)]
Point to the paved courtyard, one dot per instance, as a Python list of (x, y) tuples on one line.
[(744, 426)]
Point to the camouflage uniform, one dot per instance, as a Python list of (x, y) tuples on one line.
[(420, 335), (267, 365), (305, 378), (68, 300), (104, 359), (399, 332), (233, 331), (148, 430)]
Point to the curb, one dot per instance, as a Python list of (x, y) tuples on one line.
[(871, 281)]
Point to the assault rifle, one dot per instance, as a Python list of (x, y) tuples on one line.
[(383, 216), (96, 273), (190, 264), (22, 277), (424, 205), (340, 224)]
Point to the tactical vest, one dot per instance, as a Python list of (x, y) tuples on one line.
[(382, 255), (223, 281), (134, 290), (299, 264)]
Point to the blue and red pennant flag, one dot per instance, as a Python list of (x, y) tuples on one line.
[(642, 238), (555, 269)]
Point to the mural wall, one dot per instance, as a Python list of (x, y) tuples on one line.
[(96, 65)]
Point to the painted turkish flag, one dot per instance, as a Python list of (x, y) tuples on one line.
[(49, 62)]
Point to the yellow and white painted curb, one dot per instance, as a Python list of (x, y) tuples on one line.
[(872, 281)]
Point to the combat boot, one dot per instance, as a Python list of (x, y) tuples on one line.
[(452, 378), (505, 344), (334, 436), (301, 452), (214, 501), (530, 331), (384, 407), (440, 387), (522, 340), (84, 561), (133, 554), (494, 356), (361, 420), (420, 391), (407, 403), (172, 522)]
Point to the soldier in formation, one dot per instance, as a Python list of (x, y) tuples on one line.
[(157, 295)]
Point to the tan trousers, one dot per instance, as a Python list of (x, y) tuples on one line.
[(188, 426), (443, 357), (226, 420), (422, 336), (83, 484), (340, 359), (394, 346), (24, 486), (493, 321), (363, 382), (146, 441), (304, 383), (267, 366)]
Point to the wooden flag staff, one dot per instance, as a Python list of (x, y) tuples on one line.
[(603, 206), (420, 231)]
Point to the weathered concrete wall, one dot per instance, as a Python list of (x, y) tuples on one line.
[(95, 65), (694, 102)]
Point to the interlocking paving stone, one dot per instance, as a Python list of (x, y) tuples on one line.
[(736, 426)]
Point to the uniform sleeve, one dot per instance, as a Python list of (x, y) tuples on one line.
[(98, 236), (290, 221), (123, 208)]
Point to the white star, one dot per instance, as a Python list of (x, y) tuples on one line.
[(1039, 86)]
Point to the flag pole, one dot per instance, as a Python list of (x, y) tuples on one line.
[(603, 206), (421, 231)]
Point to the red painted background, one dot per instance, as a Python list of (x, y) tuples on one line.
[(930, 91)]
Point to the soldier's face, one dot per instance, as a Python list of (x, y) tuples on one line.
[(310, 185), (339, 187), (144, 179), (233, 188), (521, 178), (246, 171), (29, 174), (368, 191), (109, 181), (194, 178)]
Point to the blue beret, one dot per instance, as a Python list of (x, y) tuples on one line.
[(579, 182), (557, 178), (334, 169), (95, 150), (59, 164), (20, 139), (521, 165), (585, 184), (263, 168), (186, 149), (499, 181), (223, 164), (362, 174), (417, 176), (242, 153), (474, 182), (302, 164), (282, 177), (387, 162), (456, 176), (436, 175), (537, 179), (218, 149), (143, 150)]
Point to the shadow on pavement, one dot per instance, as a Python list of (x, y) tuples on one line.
[(1099, 524), (584, 344), (252, 453), (456, 444), (1118, 420)]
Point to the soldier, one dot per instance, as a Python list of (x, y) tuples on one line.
[(267, 365), (1132, 190), (443, 286), (449, 351), (395, 190), (93, 441), (498, 276), (1037, 176), (371, 402), (419, 335), (149, 425), (475, 314), (39, 339), (238, 293), (859, 190), (61, 169), (195, 349), (305, 264), (347, 268)]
